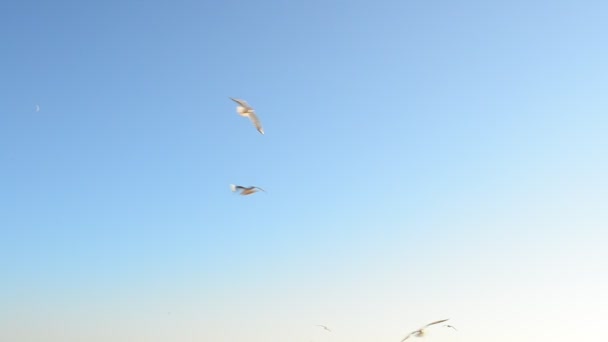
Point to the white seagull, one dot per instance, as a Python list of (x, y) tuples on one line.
[(244, 109), (245, 190), (324, 327), (420, 332)]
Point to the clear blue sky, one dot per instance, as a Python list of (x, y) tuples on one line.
[(422, 160)]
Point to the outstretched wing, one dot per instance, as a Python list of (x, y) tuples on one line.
[(408, 336), (437, 322), (256, 122), (241, 102), (256, 187), (236, 187)]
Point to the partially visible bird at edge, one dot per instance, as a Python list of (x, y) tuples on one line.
[(244, 109), (420, 332)]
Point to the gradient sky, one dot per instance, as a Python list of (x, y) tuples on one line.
[(422, 160)]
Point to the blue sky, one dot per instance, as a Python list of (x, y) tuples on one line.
[(422, 160)]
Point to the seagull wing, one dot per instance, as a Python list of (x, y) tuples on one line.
[(408, 335), (256, 121), (437, 322), (255, 187), (237, 187), (241, 102)]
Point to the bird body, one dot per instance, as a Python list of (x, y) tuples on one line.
[(420, 332), (244, 109), (245, 190)]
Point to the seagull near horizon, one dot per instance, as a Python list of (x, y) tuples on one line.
[(324, 327), (245, 190), (420, 332), (450, 326), (244, 109)]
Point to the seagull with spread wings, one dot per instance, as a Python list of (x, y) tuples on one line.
[(450, 326), (245, 190), (324, 327), (420, 332), (244, 109)]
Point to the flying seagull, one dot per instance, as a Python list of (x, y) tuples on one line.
[(420, 332), (245, 190), (450, 326), (324, 327), (244, 109)]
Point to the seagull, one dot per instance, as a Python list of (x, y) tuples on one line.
[(244, 109), (420, 332), (245, 190), (37, 108), (450, 326), (324, 327)]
